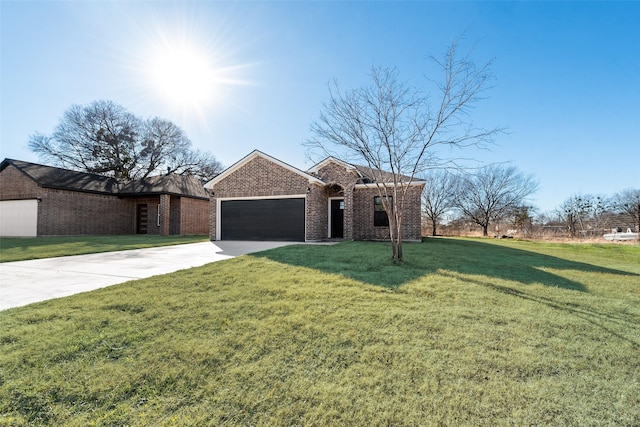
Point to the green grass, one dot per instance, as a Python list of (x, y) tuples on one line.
[(23, 248), (465, 332)]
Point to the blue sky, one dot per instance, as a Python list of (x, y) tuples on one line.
[(567, 82)]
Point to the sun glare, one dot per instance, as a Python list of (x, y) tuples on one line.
[(184, 76), (185, 72)]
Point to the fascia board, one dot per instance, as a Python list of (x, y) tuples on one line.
[(415, 183), (257, 153)]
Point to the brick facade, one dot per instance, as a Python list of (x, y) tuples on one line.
[(14, 185), (260, 176), (256, 178), (66, 212), (317, 211), (364, 228), (194, 215)]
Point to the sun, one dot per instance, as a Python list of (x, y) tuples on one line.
[(184, 76)]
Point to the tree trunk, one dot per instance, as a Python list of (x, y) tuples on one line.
[(433, 229), (485, 230), (398, 227), (394, 234), (392, 237)]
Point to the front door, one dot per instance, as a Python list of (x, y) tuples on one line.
[(337, 219), (141, 219)]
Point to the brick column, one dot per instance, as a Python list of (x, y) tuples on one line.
[(165, 212), (213, 206), (348, 212)]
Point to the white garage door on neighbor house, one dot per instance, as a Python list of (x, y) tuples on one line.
[(19, 217)]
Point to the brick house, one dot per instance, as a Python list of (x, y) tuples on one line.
[(263, 198), (38, 200)]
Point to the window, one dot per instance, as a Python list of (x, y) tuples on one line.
[(380, 218)]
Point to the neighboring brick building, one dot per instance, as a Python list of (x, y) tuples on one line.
[(38, 200), (263, 198)]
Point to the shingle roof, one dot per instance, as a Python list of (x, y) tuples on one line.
[(65, 179), (177, 185), (372, 175), (367, 175)]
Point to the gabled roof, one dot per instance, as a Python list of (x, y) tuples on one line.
[(175, 185), (316, 168), (255, 154), (367, 175), (65, 179)]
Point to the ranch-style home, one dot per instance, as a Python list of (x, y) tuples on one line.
[(38, 200), (262, 198)]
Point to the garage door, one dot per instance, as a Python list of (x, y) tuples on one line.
[(265, 219), (19, 217)]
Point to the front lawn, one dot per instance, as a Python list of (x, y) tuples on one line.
[(465, 332), (23, 248)]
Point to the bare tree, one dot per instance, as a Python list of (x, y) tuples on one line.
[(492, 193), (574, 212), (627, 203), (162, 142), (98, 138), (523, 219), (439, 195), (104, 138), (199, 164), (393, 127)]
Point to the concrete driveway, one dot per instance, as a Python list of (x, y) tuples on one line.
[(26, 282)]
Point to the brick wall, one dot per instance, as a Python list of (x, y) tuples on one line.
[(262, 178), (175, 213), (317, 211), (194, 216), (340, 177), (15, 185), (364, 229), (66, 213), (412, 229), (333, 173), (259, 177), (358, 213)]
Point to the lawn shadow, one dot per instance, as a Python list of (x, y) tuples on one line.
[(370, 262)]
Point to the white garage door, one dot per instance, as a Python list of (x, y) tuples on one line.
[(19, 217)]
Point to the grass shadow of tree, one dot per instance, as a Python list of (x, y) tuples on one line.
[(613, 323), (370, 262)]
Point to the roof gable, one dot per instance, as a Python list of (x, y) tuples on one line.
[(316, 168), (251, 156)]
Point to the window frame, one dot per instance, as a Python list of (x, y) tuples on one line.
[(380, 217)]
